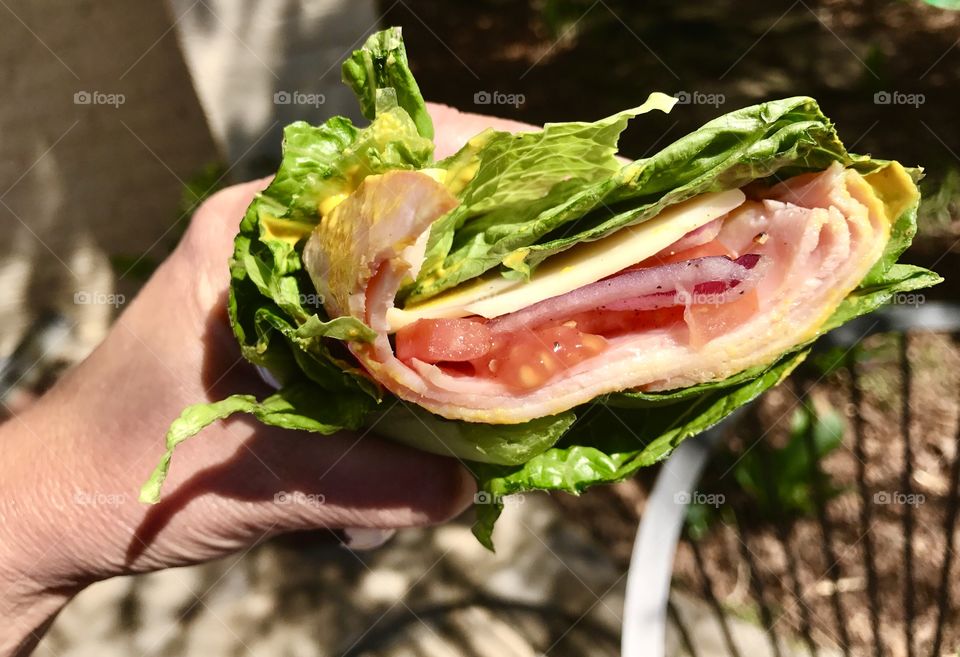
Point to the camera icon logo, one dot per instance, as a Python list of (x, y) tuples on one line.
[(482, 98), (282, 98), (82, 98), (882, 98)]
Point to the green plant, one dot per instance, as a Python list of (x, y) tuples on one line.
[(941, 204), (777, 482)]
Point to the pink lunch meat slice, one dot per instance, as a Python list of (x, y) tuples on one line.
[(814, 239)]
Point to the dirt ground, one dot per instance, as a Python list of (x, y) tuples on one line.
[(838, 578), (846, 573)]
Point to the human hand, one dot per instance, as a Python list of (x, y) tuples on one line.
[(73, 461)]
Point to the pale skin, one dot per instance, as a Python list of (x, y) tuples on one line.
[(74, 460)]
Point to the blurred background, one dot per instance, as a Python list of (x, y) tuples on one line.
[(825, 520)]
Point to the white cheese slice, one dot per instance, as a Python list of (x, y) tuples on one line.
[(585, 263)]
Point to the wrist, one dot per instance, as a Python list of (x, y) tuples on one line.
[(27, 604), (75, 460)]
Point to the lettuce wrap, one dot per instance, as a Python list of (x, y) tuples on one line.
[(533, 305)]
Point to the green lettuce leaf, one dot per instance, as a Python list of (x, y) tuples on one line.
[(523, 198), (639, 399), (779, 138), (511, 179), (602, 447), (294, 407), (306, 406), (783, 137), (382, 64), (276, 314), (275, 311), (609, 444), (506, 444), (904, 206)]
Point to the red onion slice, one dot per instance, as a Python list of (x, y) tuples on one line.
[(717, 279), (706, 293)]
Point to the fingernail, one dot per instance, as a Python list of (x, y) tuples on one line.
[(360, 538), (268, 377)]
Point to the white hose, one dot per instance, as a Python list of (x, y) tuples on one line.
[(651, 564)]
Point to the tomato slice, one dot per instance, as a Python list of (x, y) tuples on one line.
[(438, 340), (709, 321), (528, 359), (570, 345), (618, 322)]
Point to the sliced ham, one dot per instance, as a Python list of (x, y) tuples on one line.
[(697, 237), (780, 265)]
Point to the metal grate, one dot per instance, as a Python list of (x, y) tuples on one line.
[(790, 614)]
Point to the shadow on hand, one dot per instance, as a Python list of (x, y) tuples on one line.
[(357, 473)]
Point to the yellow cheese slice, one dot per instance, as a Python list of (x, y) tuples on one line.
[(585, 263)]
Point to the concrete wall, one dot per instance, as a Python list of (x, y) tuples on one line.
[(99, 126), (111, 106)]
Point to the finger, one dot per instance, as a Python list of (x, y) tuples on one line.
[(363, 538), (452, 128), (238, 482), (208, 244), (216, 221), (355, 480)]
